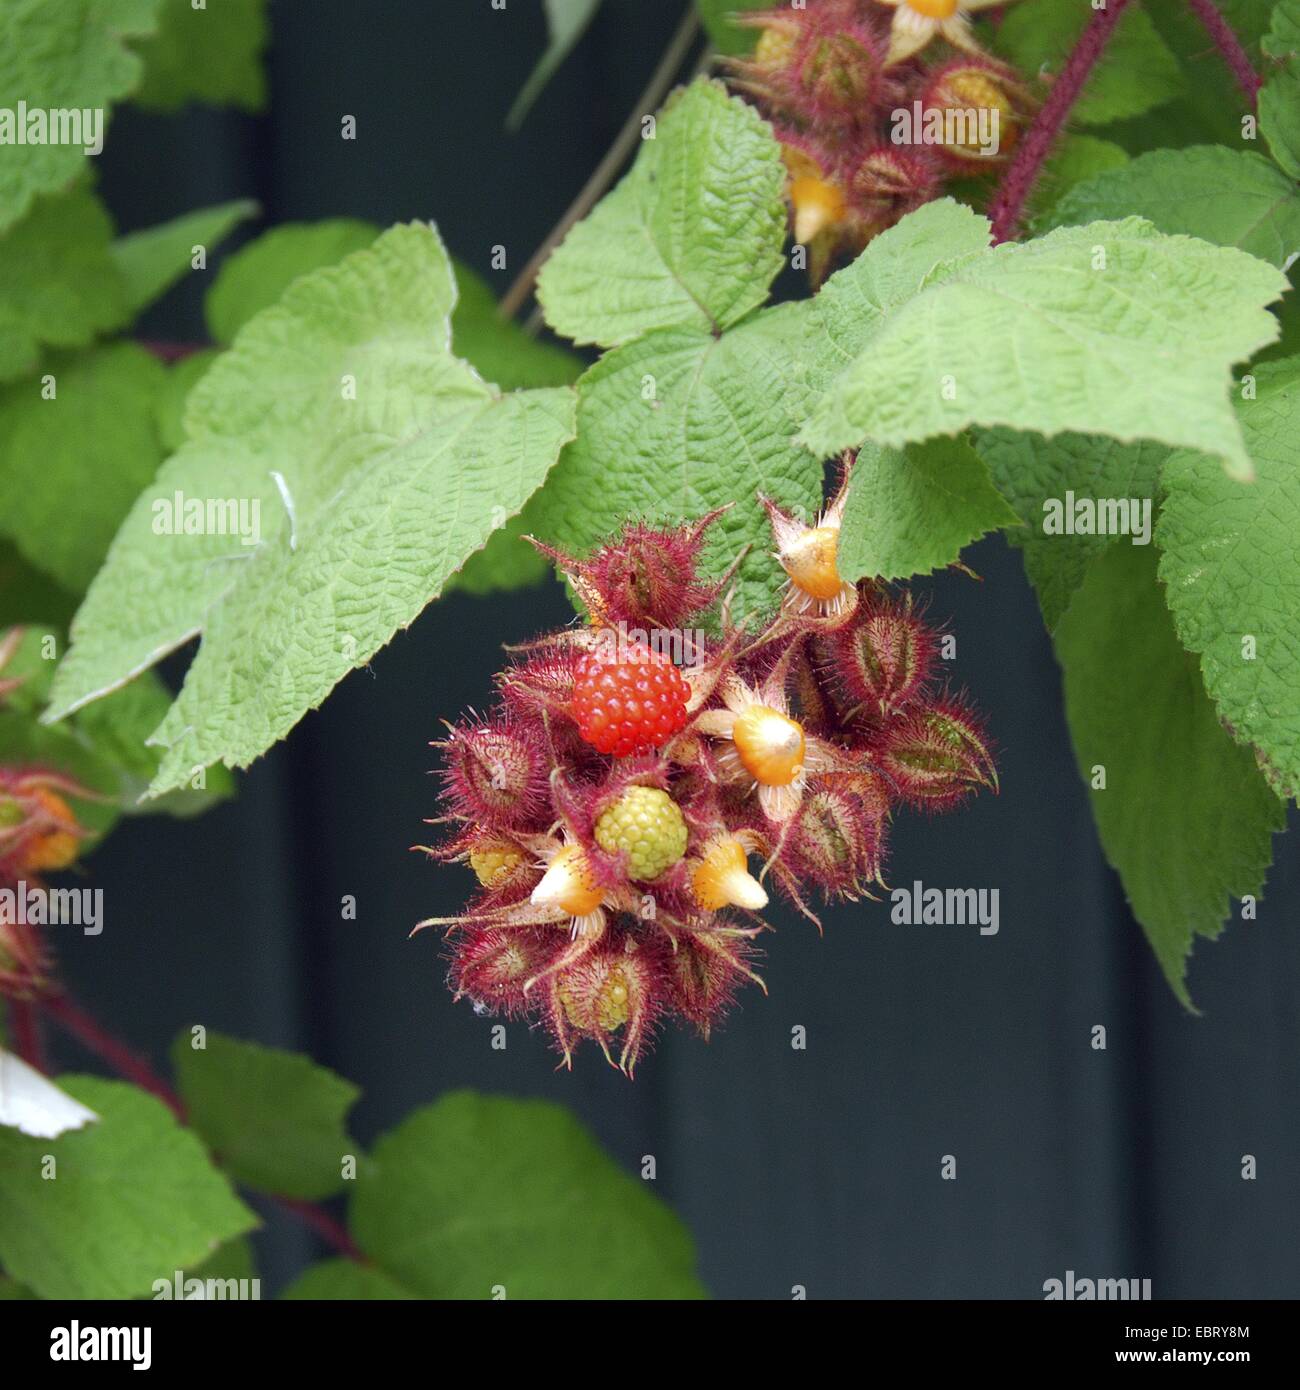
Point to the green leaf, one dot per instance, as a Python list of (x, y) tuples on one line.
[(566, 22), (1034, 474), (498, 349), (1279, 99), (692, 236), (913, 511), (27, 595), (693, 422), (71, 467), (211, 55), (1232, 567), (379, 464), (274, 1120), (258, 274), (1110, 329), (345, 1281), (1228, 197), (153, 260), (1135, 73), (68, 56), (1185, 817), (59, 285), (478, 1191), (169, 403), (726, 34), (1075, 159), (133, 1199)]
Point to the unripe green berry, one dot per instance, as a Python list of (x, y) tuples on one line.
[(647, 824)]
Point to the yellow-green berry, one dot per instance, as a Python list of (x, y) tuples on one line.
[(647, 825)]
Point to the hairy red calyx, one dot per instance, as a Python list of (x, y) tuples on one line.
[(617, 892)]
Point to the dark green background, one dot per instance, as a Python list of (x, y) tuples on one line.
[(819, 1168)]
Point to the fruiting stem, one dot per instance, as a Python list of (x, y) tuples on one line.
[(1027, 163), (78, 1024), (603, 175), (1229, 45)]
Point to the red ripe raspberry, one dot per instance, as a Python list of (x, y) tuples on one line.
[(629, 705)]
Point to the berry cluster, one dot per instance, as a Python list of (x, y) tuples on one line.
[(615, 887), (870, 124), (39, 834)]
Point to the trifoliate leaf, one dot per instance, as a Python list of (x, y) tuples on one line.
[(153, 260), (210, 54), (566, 21), (257, 275), (1135, 72), (1052, 483), (275, 1120), (1110, 329), (345, 1281), (727, 35), (692, 236), (1279, 99), (68, 57), (71, 466), (911, 511), (1231, 560), (479, 1191), (1184, 816), (132, 1198), (680, 422), (1228, 197), (341, 465), (59, 285)]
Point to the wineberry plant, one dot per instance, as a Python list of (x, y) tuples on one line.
[(861, 283)]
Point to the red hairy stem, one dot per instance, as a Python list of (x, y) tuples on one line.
[(1229, 45), (29, 1041), (1027, 163), (78, 1024)]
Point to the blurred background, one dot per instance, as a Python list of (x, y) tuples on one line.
[(818, 1167)]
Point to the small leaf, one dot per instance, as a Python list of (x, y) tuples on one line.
[(1111, 329), (566, 22), (153, 260), (274, 1120), (1228, 197), (133, 1199), (210, 53), (692, 236), (1231, 559), (478, 1191), (914, 511), (1185, 817)]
